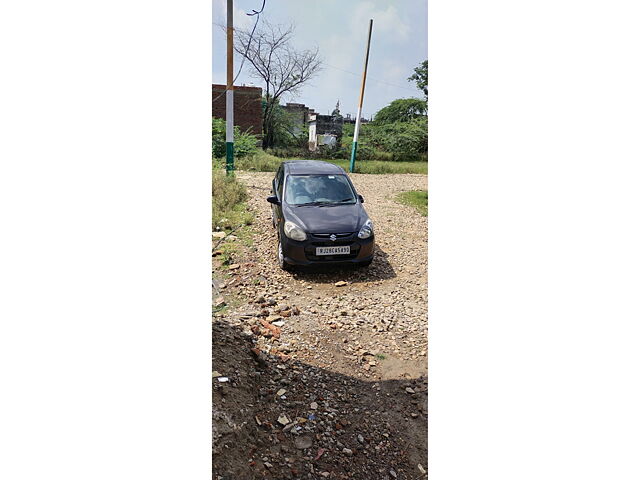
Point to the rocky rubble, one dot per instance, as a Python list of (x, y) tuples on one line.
[(327, 369)]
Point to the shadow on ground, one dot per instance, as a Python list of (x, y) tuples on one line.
[(380, 269), (382, 425)]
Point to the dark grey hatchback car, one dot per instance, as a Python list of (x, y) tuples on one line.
[(319, 216)]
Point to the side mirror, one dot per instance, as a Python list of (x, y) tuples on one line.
[(361, 198), (273, 199)]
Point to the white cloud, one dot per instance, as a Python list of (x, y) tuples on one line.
[(386, 21)]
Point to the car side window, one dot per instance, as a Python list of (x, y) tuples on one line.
[(276, 181), (280, 182)]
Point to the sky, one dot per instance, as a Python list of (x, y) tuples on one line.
[(339, 29)]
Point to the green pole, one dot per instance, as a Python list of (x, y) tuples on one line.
[(352, 164), (354, 148), (230, 166)]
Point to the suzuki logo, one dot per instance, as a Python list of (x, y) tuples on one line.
[(333, 238)]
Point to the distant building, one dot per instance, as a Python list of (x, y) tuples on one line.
[(299, 114), (349, 119), (247, 107), (324, 130)]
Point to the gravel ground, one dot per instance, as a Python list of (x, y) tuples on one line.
[(324, 381)]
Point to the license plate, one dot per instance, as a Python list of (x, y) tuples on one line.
[(333, 250)]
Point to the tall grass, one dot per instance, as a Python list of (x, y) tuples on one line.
[(229, 209), (264, 162)]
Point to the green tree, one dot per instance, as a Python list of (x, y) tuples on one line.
[(243, 143), (421, 77), (283, 127), (401, 110)]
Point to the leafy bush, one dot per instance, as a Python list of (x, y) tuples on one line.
[(397, 141), (243, 143)]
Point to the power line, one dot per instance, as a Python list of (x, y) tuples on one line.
[(372, 78)]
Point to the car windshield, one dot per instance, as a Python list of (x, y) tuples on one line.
[(318, 190)]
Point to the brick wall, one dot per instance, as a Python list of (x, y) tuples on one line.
[(247, 107)]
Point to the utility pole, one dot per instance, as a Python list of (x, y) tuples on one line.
[(229, 92), (364, 79)]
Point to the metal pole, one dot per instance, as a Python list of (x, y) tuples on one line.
[(357, 127), (229, 135)]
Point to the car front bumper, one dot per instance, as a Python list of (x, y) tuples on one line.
[(303, 253)]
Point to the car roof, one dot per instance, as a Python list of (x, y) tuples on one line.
[(310, 167)]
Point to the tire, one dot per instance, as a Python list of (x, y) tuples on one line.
[(366, 264), (280, 258)]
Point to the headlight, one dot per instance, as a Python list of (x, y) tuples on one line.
[(294, 232), (367, 230)]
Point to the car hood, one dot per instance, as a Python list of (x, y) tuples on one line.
[(327, 219)]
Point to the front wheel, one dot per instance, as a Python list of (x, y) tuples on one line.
[(283, 265)]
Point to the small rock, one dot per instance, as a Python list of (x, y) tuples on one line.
[(393, 473), (295, 311), (273, 318), (218, 234), (409, 390), (268, 465), (285, 313), (279, 323), (283, 420), (325, 474), (216, 373), (280, 392), (219, 302), (422, 470), (341, 283), (234, 266), (347, 451), (303, 441), (360, 438), (314, 406)]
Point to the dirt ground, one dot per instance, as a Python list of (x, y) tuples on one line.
[(324, 381)]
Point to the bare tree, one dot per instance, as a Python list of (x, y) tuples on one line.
[(281, 67)]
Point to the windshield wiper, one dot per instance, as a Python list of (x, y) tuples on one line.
[(310, 203), (351, 199)]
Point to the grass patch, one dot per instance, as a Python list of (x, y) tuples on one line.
[(229, 208), (416, 198), (380, 356), (231, 249), (263, 162)]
